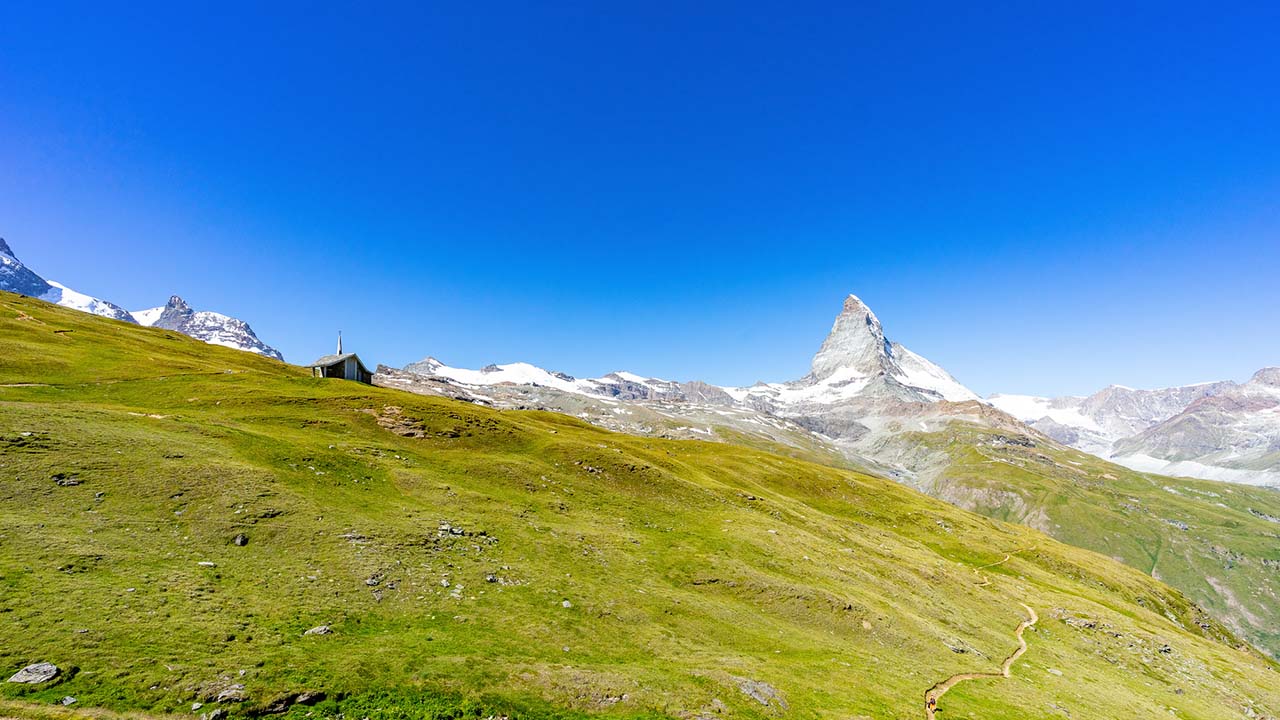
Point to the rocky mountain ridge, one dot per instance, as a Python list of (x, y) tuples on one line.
[(862, 387), (211, 327)]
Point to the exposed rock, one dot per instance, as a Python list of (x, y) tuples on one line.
[(233, 693), (35, 674), (240, 540), (68, 700), (761, 692), (319, 630)]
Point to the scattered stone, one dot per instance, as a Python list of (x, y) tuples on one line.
[(1055, 671), (234, 693), (196, 706), (64, 480), (68, 700), (218, 714), (566, 604), (240, 540), (319, 630), (35, 674), (206, 563)]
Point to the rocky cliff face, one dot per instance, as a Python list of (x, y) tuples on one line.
[(16, 277)]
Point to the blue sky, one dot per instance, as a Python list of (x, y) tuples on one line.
[(1040, 200)]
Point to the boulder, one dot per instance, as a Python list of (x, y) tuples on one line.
[(35, 674)]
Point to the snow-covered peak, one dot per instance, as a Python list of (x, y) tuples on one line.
[(917, 372), (511, 374), (148, 317), (18, 278), (856, 343), (211, 327)]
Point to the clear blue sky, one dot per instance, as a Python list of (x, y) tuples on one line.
[(1043, 201)]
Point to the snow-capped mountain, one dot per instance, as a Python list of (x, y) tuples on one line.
[(861, 387), (18, 278), (1214, 430), (211, 327), (1232, 434), (855, 361), (1096, 422)]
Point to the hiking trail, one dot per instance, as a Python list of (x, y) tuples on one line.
[(935, 693)]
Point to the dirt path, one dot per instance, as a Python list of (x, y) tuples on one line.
[(935, 693)]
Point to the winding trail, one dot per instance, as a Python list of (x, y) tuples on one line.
[(935, 693)]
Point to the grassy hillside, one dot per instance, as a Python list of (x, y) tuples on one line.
[(1217, 542), (471, 562)]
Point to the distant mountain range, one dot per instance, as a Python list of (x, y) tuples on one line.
[(863, 389), (1217, 430), (210, 327), (872, 404), (863, 392)]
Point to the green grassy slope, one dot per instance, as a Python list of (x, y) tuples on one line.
[(1217, 542), (473, 562)]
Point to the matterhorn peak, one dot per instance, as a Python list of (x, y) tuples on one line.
[(5, 250), (856, 343)]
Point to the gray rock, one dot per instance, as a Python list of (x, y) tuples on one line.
[(68, 700), (35, 674), (761, 692), (319, 630), (233, 693), (218, 714), (241, 540)]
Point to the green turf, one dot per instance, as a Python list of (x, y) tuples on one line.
[(1217, 542), (582, 573)]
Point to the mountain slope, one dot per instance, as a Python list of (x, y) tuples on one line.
[(18, 278), (519, 563), (856, 412)]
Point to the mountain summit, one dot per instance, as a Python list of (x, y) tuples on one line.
[(856, 344), (211, 327)]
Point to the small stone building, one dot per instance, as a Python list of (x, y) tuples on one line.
[(345, 366)]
